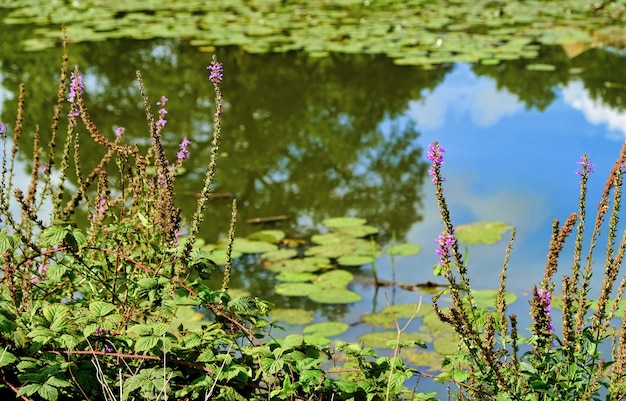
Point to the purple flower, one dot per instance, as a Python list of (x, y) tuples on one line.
[(76, 87), (216, 72), (435, 153), (162, 112), (184, 152), (446, 241), (44, 168), (3, 128), (587, 166), (546, 298), (119, 131)]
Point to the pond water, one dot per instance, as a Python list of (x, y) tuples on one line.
[(344, 135)]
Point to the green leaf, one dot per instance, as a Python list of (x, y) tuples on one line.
[(101, 308), (8, 243), (293, 341), (29, 389), (146, 343), (54, 235), (6, 358), (48, 392), (144, 220)]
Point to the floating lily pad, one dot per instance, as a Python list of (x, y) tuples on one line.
[(279, 254), (218, 256), (330, 238), (404, 249), (333, 296), (292, 266), (389, 314), (326, 329), (330, 250), (296, 277), (446, 343), (244, 245), (334, 279), (420, 357), (382, 338), (293, 315), (481, 232), (272, 236), (354, 260), (487, 298), (337, 222), (358, 231), (295, 289), (541, 67)]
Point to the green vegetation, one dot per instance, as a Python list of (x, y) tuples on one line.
[(415, 32)]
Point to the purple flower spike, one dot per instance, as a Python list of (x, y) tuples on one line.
[(119, 131), (76, 87), (587, 166), (216, 72), (546, 299), (435, 153), (184, 152), (3, 128), (446, 241)]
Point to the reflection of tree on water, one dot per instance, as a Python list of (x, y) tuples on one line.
[(302, 136)]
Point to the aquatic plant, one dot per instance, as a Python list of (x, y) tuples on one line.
[(493, 360)]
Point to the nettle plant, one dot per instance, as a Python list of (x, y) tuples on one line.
[(96, 276), (494, 361)]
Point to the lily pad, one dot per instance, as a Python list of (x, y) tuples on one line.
[(381, 339), (358, 231), (487, 298), (295, 289), (404, 249), (218, 256), (481, 232), (330, 250), (389, 314), (326, 329), (292, 266), (354, 260), (334, 279), (244, 245), (293, 315), (279, 254), (337, 222), (272, 236), (541, 67), (333, 295), (296, 277)]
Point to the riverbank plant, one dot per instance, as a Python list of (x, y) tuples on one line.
[(584, 357), (101, 281)]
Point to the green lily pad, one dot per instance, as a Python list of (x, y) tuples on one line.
[(218, 256), (381, 339), (334, 279), (420, 357), (292, 266), (315, 339), (330, 238), (446, 343), (330, 250), (358, 231), (244, 245), (326, 329), (487, 298), (337, 222), (272, 236), (293, 315), (295, 289), (481, 232), (333, 295), (389, 314), (404, 249), (296, 277), (541, 67), (354, 260), (279, 254)]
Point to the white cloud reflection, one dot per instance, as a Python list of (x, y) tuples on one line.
[(576, 96), (463, 92)]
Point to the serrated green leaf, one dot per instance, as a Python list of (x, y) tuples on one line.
[(54, 235), (101, 308), (6, 358), (48, 392), (159, 329), (293, 341), (8, 243), (29, 389), (146, 343)]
